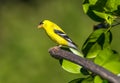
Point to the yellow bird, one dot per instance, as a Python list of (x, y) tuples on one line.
[(61, 38), (56, 34)]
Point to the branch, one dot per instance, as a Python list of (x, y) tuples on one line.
[(58, 53)]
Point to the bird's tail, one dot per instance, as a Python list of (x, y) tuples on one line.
[(76, 51)]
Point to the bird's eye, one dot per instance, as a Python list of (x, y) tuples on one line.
[(41, 22)]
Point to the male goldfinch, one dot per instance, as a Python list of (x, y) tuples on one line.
[(60, 37), (56, 34)]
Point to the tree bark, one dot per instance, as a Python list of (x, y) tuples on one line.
[(58, 53)]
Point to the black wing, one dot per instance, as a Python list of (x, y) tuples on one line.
[(62, 34)]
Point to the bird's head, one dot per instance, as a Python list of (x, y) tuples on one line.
[(41, 24), (45, 24)]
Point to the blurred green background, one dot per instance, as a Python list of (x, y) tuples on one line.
[(24, 56)]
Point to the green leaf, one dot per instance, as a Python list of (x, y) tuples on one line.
[(103, 56), (96, 5), (113, 66), (112, 5), (108, 60), (98, 40), (102, 10), (88, 79), (69, 66), (98, 79), (78, 80), (109, 18)]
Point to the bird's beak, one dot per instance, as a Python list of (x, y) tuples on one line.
[(40, 26)]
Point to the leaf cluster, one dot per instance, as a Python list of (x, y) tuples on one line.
[(97, 46)]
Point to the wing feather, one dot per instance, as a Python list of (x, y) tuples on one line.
[(62, 34)]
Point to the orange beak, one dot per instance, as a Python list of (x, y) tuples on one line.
[(40, 25)]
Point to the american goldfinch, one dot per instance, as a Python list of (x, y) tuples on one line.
[(56, 34), (61, 38)]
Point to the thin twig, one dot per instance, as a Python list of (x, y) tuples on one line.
[(58, 53)]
